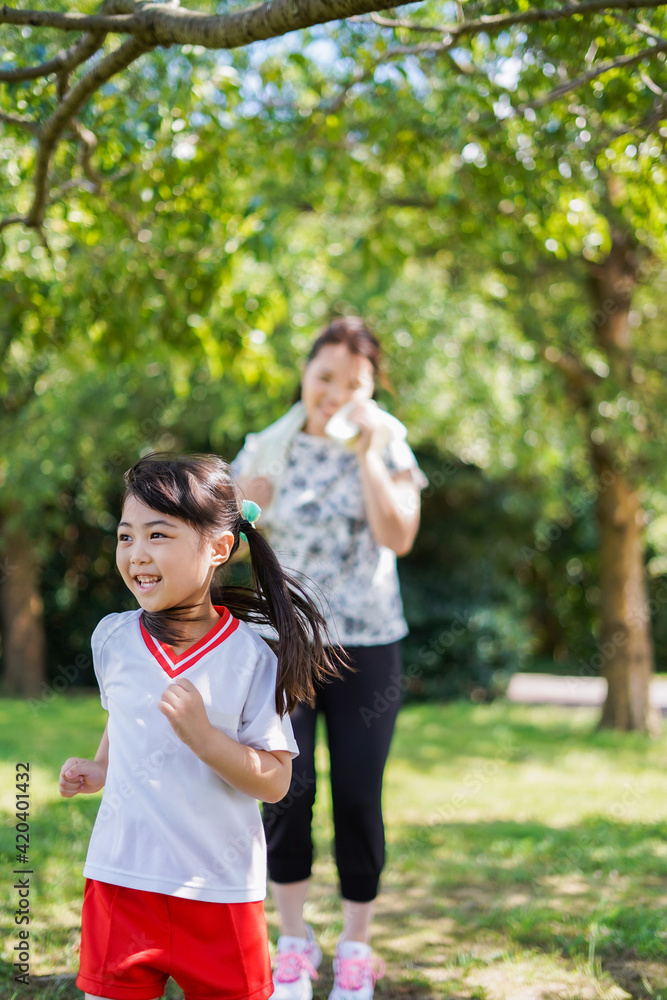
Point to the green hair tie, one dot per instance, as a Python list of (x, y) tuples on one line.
[(250, 512)]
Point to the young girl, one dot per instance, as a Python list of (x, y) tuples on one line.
[(197, 733)]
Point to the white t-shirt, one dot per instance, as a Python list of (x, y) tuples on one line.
[(167, 822)]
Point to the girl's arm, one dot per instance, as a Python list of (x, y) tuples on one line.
[(262, 774), (80, 775)]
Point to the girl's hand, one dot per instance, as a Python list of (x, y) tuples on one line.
[(80, 775), (184, 709), (365, 416)]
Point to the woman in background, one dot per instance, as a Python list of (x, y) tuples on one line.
[(339, 509)]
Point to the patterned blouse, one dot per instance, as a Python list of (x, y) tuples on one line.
[(321, 535)]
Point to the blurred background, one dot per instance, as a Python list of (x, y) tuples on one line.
[(502, 231)]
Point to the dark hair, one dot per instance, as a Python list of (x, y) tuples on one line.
[(357, 336), (199, 490)]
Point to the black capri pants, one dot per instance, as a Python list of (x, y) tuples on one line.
[(360, 710)]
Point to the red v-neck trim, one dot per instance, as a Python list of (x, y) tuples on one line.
[(175, 665)]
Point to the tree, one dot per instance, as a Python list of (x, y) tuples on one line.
[(560, 211), (390, 221), (74, 75), (601, 370)]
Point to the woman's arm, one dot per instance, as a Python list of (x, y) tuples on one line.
[(257, 488), (392, 502), (262, 774), (80, 775)]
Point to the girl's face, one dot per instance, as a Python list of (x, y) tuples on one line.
[(333, 378), (164, 561)]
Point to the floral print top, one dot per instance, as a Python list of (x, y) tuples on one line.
[(321, 536)]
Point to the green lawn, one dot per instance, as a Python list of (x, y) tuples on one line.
[(527, 855)]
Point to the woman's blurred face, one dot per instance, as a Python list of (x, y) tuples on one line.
[(333, 378)]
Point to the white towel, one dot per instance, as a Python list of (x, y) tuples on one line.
[(265, 453)]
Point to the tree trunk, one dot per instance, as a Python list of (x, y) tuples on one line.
[(23, 642), (626, 647)]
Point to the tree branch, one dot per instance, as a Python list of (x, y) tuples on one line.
[(651, 84), (12, 220), (73, 184), (121, 24), (536, 15), (494, 23), (638, 26), (93, 181), (149, 24), (88, 142), (158, 24), (62, 63), (396, 22), (579, 379), (645, 126), (427, 48), (53, 129), (592, 74), (24, 123)]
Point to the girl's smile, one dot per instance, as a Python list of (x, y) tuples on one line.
[(147, 583)]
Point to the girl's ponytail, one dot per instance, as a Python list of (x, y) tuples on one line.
[(306, 654)]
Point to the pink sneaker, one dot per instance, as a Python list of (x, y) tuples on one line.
[(296, 965), (356, 971)]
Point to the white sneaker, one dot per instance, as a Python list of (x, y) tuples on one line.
[(297, 960), (356, 971)]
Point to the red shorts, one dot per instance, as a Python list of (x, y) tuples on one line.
[(132, 941)]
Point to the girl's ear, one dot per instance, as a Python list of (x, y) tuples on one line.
[(221, 547)]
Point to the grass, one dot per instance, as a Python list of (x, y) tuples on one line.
[(527, 855)]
